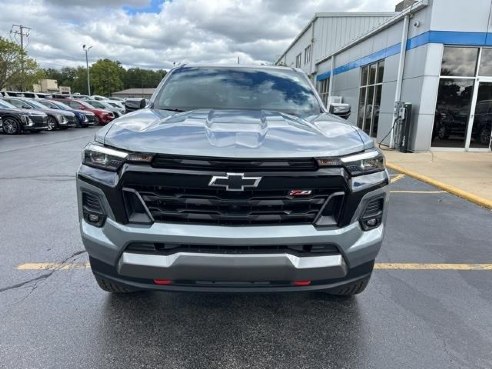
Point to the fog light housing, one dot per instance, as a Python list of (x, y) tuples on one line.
[(92, 209), (372, 216)]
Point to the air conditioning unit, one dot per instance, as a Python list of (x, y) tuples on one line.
[(335, 100)]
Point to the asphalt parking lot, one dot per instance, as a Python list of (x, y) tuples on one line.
[(422, 309)]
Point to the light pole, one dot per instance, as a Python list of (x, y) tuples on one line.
[(86, 49)]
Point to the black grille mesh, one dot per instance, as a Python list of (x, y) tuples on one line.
[(216, 206), (239, 165), (91, 202)]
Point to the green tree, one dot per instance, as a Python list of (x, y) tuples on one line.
[(106, 77), (12, 61), (77, 80), (143, 78)]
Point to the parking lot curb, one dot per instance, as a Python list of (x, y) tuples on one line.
[(486, 203)]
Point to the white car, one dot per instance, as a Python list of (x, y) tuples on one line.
[(98, 97)]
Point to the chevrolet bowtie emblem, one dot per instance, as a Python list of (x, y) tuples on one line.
[(234, 182)]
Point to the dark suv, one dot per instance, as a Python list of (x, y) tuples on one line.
[(234, 178), (14, 120), (57, 119)]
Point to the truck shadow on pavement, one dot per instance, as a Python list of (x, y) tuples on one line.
[(231, 330)]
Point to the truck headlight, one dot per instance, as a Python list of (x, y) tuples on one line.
[(370, 161), (103, 157), (110, 159), (365, 163)]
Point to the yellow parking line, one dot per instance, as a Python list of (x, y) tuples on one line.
[(397, 178), (52, 266), (487, 203), (380, 266), (409, 191), (431, 266)]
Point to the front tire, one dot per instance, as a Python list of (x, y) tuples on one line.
[(52, 123), (484, 136), (11, 126), (350, 289), (109, 286), (442, 133)]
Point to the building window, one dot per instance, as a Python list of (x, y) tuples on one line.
[(323, 89), (464, 87), (371, 85), (307, 54), (298, 60), (459, 61)]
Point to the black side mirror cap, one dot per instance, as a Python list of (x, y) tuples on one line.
[(143, 103)]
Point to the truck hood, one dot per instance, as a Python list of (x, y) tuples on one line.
[(233, 133)]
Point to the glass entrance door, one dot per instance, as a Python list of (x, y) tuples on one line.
[(480, 125)]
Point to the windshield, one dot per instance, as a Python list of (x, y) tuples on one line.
[(282, 90), (6, 105), (35, 104), (96, 104), (61, 105), (48, 104)]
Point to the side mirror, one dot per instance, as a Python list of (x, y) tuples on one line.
[(340, 110), (26, 106), (143, 103)]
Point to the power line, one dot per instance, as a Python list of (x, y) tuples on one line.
[(22, 31)]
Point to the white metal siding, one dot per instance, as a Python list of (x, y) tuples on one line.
[(330, 33)]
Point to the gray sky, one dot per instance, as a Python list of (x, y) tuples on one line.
[(154, 33)]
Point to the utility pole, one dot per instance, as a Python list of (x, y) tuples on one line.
[(21, 31), (86, 49)]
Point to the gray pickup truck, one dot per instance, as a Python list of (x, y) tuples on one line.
[(232, 179)]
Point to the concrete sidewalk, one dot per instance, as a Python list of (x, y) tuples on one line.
[(466, 174)]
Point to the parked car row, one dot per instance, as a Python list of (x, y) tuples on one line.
[(115, 105), (34, 114)]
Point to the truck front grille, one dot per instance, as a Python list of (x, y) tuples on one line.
[(220, 207), (233, 164)]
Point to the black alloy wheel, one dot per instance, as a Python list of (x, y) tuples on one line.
[(52, 123), (11, 126)]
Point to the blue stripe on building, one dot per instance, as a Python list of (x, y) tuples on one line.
[(429, 37)]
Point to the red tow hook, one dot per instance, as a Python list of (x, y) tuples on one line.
[(162, 282), (301, 283)]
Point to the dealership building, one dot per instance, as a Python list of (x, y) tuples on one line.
[(434, 54)]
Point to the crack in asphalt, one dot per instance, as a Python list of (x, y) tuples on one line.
[(41, 277), (22, 284)]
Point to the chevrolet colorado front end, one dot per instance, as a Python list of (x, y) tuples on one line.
[(233, 178)]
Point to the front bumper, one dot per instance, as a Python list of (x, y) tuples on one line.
[(107, 248), (68, 124), (36, 128), (36, 124)]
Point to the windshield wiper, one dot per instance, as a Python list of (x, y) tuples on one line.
[(173, 109)]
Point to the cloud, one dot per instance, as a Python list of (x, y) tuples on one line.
[(156, 34)]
